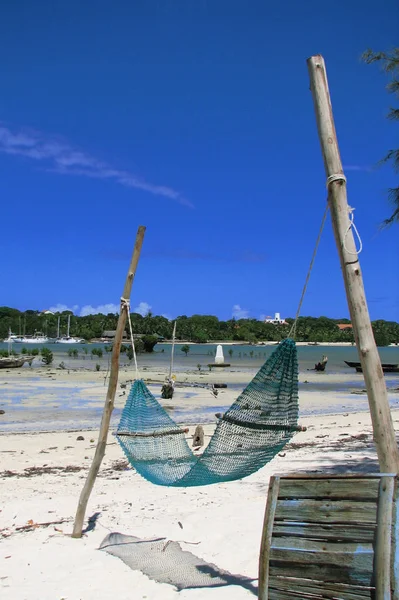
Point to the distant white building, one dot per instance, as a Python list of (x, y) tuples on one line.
[(277, 320)]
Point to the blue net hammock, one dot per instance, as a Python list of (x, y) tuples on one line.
[(253, 430)]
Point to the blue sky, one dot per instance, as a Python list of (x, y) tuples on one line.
[(195, 119)]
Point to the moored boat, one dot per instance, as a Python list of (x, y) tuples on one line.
[(386, 367)]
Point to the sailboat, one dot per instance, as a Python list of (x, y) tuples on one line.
[(37, 338), (67, 339), (11, 361)]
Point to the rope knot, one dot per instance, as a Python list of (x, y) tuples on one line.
[(125, 302)]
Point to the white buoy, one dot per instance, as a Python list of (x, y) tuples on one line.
[(219, 358)]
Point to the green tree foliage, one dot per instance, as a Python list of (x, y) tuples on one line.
[(149, 341), (97, 352), (197, 328), (384, 332), (185, 349), (389, 61), (47, 356)]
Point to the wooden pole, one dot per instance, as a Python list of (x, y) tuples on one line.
[(109, 401), (384, 433)]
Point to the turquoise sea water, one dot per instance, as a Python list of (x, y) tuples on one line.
[(204, 353), (57, 406)]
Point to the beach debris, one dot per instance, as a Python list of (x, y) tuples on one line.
[(80, 438), (320, 366), (92, 441), (44, 470), (198, 437), (31, 526), (168, 389), (180, 525), (2, 412)]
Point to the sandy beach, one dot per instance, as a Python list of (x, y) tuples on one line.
[(43, 466)]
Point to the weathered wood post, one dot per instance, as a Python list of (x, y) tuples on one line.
[(384, 433), (112, 384)]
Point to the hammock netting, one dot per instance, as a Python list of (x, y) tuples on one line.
[(253, 430)]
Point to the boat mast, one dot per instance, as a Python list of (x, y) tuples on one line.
[(69, 322), (173, 350), (58, 327)]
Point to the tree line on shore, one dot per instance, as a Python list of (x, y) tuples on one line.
[(197, 328)]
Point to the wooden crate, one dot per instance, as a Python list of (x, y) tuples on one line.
[(332, 537)]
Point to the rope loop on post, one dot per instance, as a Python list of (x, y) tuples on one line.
[(353, 226), (125, 304)]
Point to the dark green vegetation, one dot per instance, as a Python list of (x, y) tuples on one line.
[(389, 61), (198, 328), (47, 356)]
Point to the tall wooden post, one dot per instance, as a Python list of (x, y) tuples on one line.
[(113, 381), (384, 433)]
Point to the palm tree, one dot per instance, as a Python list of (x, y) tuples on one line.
[(389, 62)]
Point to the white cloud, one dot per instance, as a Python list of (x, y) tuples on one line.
[(104, 309), (62, 307), (239, 313), (142, 309), (62, 158)]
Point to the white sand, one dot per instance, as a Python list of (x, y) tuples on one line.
[(220, 523)]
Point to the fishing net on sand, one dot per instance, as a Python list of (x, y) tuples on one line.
[(164, 561)]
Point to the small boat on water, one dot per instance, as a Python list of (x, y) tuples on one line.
[(386, 367), (11, 337), (13, 361)]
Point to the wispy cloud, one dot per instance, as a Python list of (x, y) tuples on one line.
[(142, 309), (60, 157), (239, 313), (363, 168), (103, 309)]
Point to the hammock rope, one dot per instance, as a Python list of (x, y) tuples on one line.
[(292, 332)]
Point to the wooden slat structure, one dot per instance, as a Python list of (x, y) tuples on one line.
[(330, 537)]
